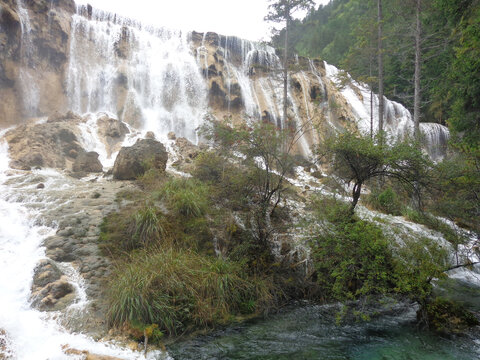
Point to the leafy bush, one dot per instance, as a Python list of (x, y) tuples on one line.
[(131, 228), (146, 227), (446, 316), (353, 259), (387, 201), (181, 291), (453, 236), (231, 183)]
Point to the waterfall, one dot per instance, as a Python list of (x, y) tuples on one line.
[(30, 92), (435, 138), (147, 76), (31, 334), (398, 120)]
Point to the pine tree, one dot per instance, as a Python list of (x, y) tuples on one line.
[(282, 11)]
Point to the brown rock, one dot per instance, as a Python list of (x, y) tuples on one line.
[(86, 355), (150, 135), (45, 272), (171, 135), (44, 145), (5, 352), (187, 150), (113, 128), (69, 116), (54, 296), (133, 161), (87, 162)]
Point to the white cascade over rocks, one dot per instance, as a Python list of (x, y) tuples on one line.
[(29, 333)]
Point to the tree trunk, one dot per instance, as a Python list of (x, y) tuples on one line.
[(285, 67), (357, 189), (418, 59), (371, 102), (380, 67)]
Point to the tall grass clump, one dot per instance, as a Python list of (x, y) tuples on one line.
[(181, 291), (132, 228), (146, 227), (186, 197)]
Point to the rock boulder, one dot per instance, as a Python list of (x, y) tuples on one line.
[(51, 290), (133, 161), (87, 162), (52, 144)]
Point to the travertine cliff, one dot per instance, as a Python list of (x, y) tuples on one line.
[(57, 56)]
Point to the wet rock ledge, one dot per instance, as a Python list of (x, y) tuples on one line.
[(74, 251)]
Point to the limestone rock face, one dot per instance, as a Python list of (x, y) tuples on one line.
[(186, 150), (33, 58), (87, 162), (133, 161), (52, 144)]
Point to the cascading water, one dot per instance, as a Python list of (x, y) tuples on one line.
[(30, 92), (147, 76), (31, 334), (398, 120)]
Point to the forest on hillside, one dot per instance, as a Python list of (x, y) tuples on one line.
[(346, 33)]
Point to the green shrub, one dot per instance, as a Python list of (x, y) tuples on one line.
[(209, 167), (331, 209), (231, 183), (181, 291), (387, 201), (152, 179), (352, 260), (146, 227), (131, 228), (450, 234), (446, 316)]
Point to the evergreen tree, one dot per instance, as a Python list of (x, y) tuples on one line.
[(282, 11)]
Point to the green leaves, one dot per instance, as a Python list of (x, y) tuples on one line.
[(357, 158)]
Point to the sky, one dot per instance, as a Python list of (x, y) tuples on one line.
[(243, 18)]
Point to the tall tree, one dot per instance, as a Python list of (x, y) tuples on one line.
[(282, 11), (418, 69), (380, 67)]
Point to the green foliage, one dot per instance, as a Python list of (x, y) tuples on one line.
[(418, 262), (458, 187), (181, 291), (146, 226), (265, 160), (353, 260), (132, 228), (357, 159), (386, 201), (345, 33), (151, 179), (446, 316), (465, 115), (185, 197), (230, 183)]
